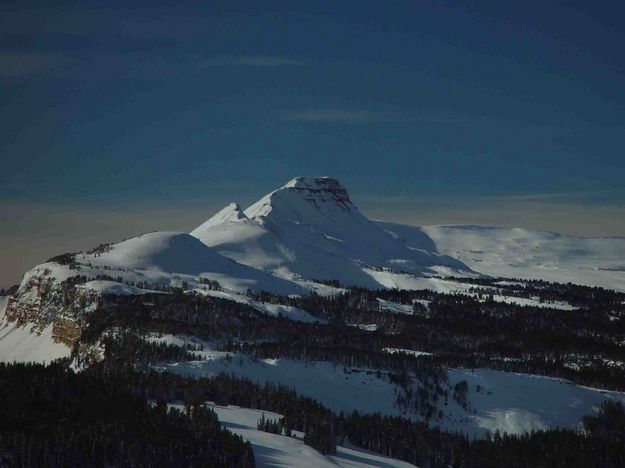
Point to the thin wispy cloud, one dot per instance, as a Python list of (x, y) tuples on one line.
[(343, 116), (554, 198), (586, 196), (21, 64), (246, 61), (537, 197), (348, 116), (28, 63)]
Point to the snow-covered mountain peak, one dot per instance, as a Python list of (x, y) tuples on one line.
[(301, 195), (327, 184), (310, 229)]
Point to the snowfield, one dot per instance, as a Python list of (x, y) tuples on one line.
[(278, 450), (21, 344), (530, 254), (273, 310), (508, 402), (113, 287), (518, 403), (406, 351), (525, 301)]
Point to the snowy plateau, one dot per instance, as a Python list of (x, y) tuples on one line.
[(308, 238)]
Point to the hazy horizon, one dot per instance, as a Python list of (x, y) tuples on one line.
[(36, 231)]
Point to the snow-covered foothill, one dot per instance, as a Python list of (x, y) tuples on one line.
[(182, 254)]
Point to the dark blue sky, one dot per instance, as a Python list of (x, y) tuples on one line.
[(399, 98)]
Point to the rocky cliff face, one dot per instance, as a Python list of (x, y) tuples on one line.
[(43, 300)]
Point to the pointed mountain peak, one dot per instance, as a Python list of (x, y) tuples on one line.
[(314, 183), (321, 193)]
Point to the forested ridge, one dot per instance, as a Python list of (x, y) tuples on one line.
[(52, 416), (584, 345), (115, 416), (115, 412)]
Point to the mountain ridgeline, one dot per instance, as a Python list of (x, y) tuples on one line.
[(437, 345)]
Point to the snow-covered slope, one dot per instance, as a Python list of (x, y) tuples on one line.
[(273, 310), (180, 253), (45, 317), (508, 402), (23, 344), (310, 229), (278, 450), (530, 254)]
